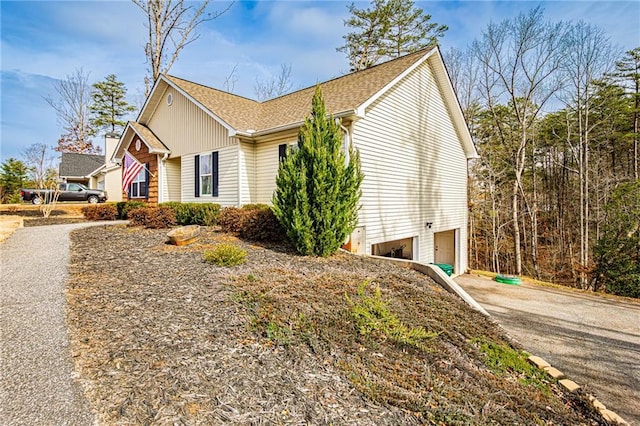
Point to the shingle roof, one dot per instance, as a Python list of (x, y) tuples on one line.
[(76, 165), (340, 95), (155, 145)]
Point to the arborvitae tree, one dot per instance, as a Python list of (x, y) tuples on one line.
[(13, 175), (389, 29), (109, 104), (318, 187), (618, 250)]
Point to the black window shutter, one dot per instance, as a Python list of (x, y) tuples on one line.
[(145, 186), (197, 173), (282, 151), (214, 168)]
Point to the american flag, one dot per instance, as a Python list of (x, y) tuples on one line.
[(131, 168)]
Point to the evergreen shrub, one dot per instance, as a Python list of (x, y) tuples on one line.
[(260, 224), (318, 187), (204, 214), (225, 255), (124, 207), (231, 219), (100, 212), (152, 217)]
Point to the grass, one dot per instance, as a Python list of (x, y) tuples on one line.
[(225, 255), (504, 360), (373, 317), (402, 346)]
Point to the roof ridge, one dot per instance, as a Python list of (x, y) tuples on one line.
[(212, 88), (341, 93), (366, 70)]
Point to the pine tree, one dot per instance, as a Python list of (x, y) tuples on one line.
[(13, 175), (618, 250), (318, 187), (628, 75), (387, 30), (109, 104)]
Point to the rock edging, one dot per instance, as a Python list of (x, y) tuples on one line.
[(571, 386)]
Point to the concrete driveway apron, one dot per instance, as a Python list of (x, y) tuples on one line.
[(593, 340)]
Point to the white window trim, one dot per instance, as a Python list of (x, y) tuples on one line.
[(209, 158), (140, 178)]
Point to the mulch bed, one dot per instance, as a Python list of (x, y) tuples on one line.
[(62, 214), (161, 337), (41, 221)]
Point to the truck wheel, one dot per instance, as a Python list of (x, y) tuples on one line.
[(36, 200), (92, 199)]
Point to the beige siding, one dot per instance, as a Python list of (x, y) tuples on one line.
[(247, 173), (185, 128), (267, 168), (414, 167), (171, 180), (113, 184), (228, 178)]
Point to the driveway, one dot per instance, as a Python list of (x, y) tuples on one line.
[(37, 382), (593, 340)]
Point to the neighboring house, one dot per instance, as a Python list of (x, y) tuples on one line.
[(94, 171), (80, 168), (200, 144)]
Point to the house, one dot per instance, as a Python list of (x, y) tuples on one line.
[(94, 171), (201, 144), (80, 168)]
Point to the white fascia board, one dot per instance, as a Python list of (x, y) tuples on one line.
[(361, 109), (115, 158), (148, 100), (453, 104), (230, 129), (341, 114)]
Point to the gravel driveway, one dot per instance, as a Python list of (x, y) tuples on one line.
[(593, 340), (37, 384)]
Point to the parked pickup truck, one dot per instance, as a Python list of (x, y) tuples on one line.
[(68, 192)]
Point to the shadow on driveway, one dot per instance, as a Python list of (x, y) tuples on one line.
[(593, 340)]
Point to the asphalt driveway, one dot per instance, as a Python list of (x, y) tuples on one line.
[(593, 340)]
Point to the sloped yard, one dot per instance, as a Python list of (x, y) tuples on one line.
[(161, 337)]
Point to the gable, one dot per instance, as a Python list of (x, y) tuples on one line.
[(133, 131), (185, 127)]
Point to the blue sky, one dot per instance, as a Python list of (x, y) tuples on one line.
[(42, 41)]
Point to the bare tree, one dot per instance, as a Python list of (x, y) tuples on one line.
[(231, 79), (39, 163), (519, 61), (72, 108), (275, 86), (171, 26), (588, 57)]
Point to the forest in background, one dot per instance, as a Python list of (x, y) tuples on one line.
[(553, 109)]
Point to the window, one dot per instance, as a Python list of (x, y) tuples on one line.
[(73, 187), (206, 173), (138, 188), (282, 151)]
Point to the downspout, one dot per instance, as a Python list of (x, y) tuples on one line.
[(161, 177), (349, 136)]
